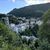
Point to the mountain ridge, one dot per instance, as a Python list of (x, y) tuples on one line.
[(31, 11)]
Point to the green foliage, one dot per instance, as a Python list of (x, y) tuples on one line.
[(27, 32), (13, 20), (8, 39), (5, 32), (44, 33), (45, 28), (43, 45)]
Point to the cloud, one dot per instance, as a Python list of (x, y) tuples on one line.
[(13, 1), (30, 2)]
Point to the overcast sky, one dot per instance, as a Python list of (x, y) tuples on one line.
[(7, 5)]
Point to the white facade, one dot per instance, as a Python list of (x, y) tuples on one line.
[(39, 22), (29, 37), (21, 27), (18, 28)]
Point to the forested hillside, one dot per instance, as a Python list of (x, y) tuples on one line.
[(31, 11)]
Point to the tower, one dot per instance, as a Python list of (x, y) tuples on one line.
[(6, 20)]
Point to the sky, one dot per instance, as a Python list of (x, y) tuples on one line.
[(7, 5)]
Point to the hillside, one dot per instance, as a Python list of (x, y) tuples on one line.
[(31, 11)]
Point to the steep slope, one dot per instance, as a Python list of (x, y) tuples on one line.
[(31, 11)]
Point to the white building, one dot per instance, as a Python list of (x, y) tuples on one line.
[(29, 37), (18, 28), (39, 22)]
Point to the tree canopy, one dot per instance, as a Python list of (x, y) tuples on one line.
[(44, 32)]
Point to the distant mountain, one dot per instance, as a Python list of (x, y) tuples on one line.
[(31, 11), (2, 15)]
